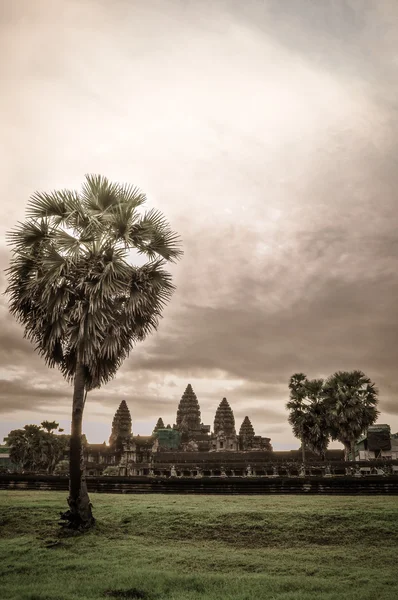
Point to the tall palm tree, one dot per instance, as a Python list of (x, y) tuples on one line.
[(79, 298), (351, 400), (298, 407), (316, 422)]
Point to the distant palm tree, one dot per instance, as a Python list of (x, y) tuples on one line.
[(316, 422), (49, 426), (80, 300), (351, 401), (298, 407)]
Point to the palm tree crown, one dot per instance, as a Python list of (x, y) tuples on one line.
[(351, 399), (316, 424), (71, 284), (308, 414), (298, 402)]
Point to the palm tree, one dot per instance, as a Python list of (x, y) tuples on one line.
[(49, 426), (351, 400), (81, 301), (298, 406), (316, 422)]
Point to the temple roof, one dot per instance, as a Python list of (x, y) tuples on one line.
[(159, 425), (188, 412), (98, 448), (123, 411), (143, 440), (246, 429), (224, 419), (121, 424)]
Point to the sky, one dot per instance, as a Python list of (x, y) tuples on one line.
[(266, 132)]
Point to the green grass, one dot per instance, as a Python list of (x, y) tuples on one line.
[(159, 547)]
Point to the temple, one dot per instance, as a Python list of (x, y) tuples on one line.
[(121, 426), (187, 446), (190, 449)]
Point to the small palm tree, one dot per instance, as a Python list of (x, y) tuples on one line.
[(298, 407), (308, 414), (351, 400), (81, 301), (49, 426), (316, 423)]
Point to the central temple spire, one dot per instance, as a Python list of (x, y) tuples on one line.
[(246, 429), (188, 412), (246, 434), (224, 421), (121, 425)]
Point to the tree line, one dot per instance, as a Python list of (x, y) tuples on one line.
[(37, 447), (340, 408)]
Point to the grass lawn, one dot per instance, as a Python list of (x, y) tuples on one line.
[(159, 547)]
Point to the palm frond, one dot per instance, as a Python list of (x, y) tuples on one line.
[(158, 239), (30, 234), (131, 195), (67, 243), (60, 205), (120, 220), (99, 194)]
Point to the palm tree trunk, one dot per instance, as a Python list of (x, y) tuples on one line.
[(346, 452), (302, 450), (79, 514), (353, 444)]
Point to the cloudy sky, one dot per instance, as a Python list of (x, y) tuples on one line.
[(266, 132)]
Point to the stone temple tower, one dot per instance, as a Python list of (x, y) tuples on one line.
[(188, 412), (225, 437), (159, 425), (246, 434), (121, 425)]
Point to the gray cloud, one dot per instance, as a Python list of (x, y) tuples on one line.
[(21, 395)]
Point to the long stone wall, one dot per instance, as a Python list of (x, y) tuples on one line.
[(338, 485), (256, 464), (218, 464)]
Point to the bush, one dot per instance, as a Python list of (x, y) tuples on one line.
[(112, 471), (62, 468)]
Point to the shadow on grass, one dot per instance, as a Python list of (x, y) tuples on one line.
[(132, 593)]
